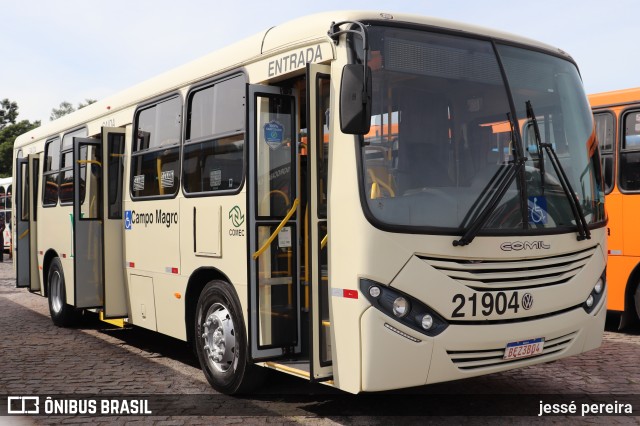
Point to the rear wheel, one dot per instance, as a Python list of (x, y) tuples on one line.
[(221, 342), (62, 314)]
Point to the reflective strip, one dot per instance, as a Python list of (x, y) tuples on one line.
[(344, 292), (615, 252)]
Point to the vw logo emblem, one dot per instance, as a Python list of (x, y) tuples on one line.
[(527, 301)]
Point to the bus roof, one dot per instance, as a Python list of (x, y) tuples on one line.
[(615, 97), (272, 40)]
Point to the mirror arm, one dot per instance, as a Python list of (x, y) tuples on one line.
[(335, 32)]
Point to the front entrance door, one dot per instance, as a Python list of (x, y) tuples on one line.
[(318, 91), (273, 224)]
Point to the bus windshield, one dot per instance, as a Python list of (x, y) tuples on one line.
[(449, 114)]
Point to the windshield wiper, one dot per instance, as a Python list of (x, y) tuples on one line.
[(536, 130), (574, 203), (491, 195)]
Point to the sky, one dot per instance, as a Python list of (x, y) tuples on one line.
[(71, 50)]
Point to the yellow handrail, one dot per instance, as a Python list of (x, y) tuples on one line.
[(278, 229), (90, 162), (378, 183), (323, 243), (24, 234)]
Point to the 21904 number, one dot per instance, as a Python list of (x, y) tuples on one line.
[(485, 304)]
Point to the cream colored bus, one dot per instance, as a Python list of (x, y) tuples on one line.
[(367, 200)]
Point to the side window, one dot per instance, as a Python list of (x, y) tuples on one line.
[(629, 176), (605, 130), (214, 146), (66, 165), (155, 161), (50, 173)]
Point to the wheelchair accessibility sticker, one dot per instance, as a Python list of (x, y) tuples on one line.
[(538, 210), (127, 220)]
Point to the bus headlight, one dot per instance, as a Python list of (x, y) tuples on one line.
[(596, 294), (599, 286), (374, 291), (400, 307), (427, 322), (589, 301), (403, 308)]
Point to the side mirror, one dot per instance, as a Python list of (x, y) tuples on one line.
[(355, 100)]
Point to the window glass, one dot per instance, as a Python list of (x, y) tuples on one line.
[(155, 161), (51, 167), (324, 89), (116, 172), (630, 153), (24, 176), (159, 125), (214, 150), (443, 133), (9, 197), (605, 126), (214, 165), (66, 167)]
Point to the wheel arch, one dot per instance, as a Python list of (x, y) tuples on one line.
[(46, 264), (197, 281), (630, 315)]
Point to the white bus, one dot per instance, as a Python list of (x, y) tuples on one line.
[(361, 199), (5, 211)]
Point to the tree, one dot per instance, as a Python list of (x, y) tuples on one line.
[(8, 112), (7, 136), (66, 108)]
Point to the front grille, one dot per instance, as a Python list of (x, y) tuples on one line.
[(513, 274), (472, 360)]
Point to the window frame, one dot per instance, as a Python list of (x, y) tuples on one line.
[(47, 172), (621, 149), (68, 150), (204, 85), (604, 153), (140, 153)]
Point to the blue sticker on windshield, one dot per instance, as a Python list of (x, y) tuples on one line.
[(538, 210), (273, 134)]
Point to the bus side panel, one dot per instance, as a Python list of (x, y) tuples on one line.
[(614, 205), (168, 292), (618, 270), (55, 232), (213, 235), (631, 224)]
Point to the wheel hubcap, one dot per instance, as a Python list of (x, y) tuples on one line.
[(219, 339), (55, 288)]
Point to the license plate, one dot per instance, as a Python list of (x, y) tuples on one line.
[(524, 348)]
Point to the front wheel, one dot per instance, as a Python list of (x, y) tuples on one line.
[(221, 343), (62, 315)]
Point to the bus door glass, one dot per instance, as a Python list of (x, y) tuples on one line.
[(318, 90), (27, 261), (273, 224), (87, 223), (115, 300)]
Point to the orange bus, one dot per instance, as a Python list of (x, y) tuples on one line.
[(617, 119)]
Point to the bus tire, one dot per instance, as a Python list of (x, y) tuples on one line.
[(62, 314), (221, 341), (636, 302)]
